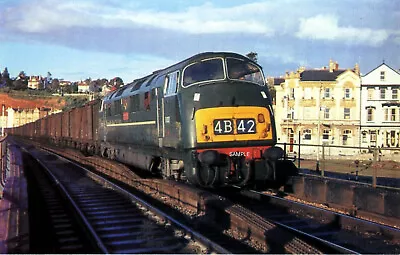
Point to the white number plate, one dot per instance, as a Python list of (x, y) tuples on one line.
[(225, 126)]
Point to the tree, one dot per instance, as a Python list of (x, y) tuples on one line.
[(21, 82), (5, 76), (95, 86), (22, 74), (74, 87), (55, 85), (87, 80), (116, 82), (42, 83), (48, 80), (253, 56), (103, 82)]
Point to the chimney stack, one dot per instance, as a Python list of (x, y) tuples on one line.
[(333, 66), (357, 69)]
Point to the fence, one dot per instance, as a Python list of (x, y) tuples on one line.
[(378, 166)]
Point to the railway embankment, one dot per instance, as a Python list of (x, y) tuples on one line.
[(355, 198)]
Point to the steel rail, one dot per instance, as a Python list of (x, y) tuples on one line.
[(290, 203), (66, 194), (194, 235)]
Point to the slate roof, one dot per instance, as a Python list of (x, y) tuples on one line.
[(278, 81), (320, 75)]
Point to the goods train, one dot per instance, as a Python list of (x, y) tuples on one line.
[(207, 119)]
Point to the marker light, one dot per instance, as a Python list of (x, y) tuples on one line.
[(261, 118)]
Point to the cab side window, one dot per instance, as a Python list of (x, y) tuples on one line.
[(171, 83)]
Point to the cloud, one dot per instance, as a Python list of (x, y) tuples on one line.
[(284, 32), (326, 27), (396, 37), (51, 15), (265, 19)]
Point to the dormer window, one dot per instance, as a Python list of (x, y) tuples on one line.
[(382, 75)]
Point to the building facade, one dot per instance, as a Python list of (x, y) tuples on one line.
[(17, 116), (34, 82), (83, 87), (380, 108), (319, 107)]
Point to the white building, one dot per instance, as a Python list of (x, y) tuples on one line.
[(83, 87), (34, 82), (380, 108), (319, 107)]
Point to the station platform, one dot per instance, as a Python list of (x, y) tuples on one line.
[(14, 217)]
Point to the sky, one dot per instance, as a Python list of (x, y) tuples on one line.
[(79, 39)]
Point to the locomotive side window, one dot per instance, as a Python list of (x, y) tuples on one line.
[(147, 101), (159, 81), (239, 69), (206, 70), (137, 85), (120, 92), (117, 107), (108, 110), (135, 103), (171, 83)]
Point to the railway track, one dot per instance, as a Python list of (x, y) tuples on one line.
[(322, 229), (331, 231), (95, 215)]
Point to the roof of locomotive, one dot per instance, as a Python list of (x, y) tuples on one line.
[(202, 56), (142, 82)]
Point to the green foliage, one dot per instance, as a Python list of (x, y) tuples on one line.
[(73, 102), (253, 56), (26, 94)]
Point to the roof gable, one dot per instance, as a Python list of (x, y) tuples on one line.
[(380, 67), (381, 75), (348, 74)]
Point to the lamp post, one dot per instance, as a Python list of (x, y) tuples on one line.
[(286, 97), (318, 127)]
